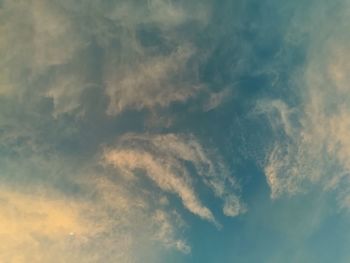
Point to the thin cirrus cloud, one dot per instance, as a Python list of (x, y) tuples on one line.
[(157, 81), (72, 73), (315, 147), (163, 159), (46, 47), (54, 53)]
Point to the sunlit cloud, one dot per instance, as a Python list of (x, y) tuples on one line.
[(47, 225), (313, 145), (131, 129), (163, 159)]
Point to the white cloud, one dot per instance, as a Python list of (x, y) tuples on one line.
[(163, 159), (107, 221), (51, 51), (165, 233), (315, 147), (161, 173)]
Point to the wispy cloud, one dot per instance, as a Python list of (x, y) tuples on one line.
[(47, 51), (49, 225), (313, 145), (217, 99), (157, 81), (134, 56), (162, 158)]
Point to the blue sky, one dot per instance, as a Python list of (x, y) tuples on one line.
[(174, 131)]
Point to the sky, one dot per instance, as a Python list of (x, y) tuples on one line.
[(174, 131)]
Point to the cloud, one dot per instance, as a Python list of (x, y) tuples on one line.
[(166, 230), (31, 214), (163, 159), (280, 115), (58, 203), (40, 40), (58, 208), (107, 222), (50, 50), (148, 74), (35, 226), (217, 99), (55, 206), (165, 179), (313, 146), (141, 216), (158, 81)]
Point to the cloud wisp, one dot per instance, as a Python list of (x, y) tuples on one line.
[(133, 56), (165, 160), (47, 50), (313, 145)]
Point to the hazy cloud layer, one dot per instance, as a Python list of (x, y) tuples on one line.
[(116, 121), (145, 61), (156, 81), (105, 220), (58, 203)]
